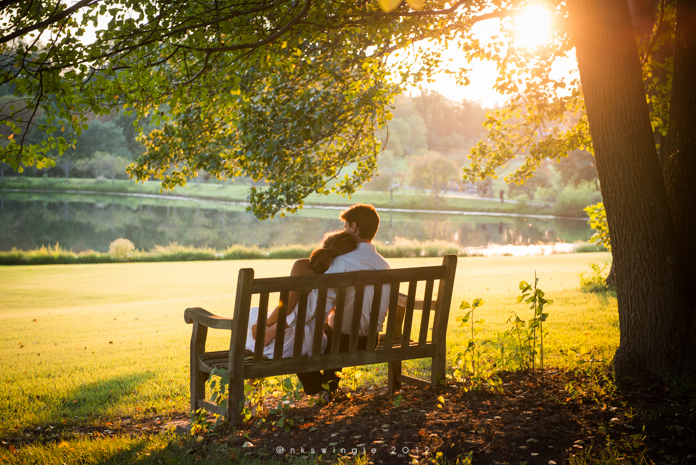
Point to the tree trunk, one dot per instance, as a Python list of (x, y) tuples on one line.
[(680, 161), (680, 168), (644, 240), (611, 277)]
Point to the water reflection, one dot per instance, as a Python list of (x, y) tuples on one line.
[(78, 223)]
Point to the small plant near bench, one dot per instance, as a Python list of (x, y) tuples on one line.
[(516, 348), (283, 391), (597, 280), (534, 296)]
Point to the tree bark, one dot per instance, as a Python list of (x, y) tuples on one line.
[(680, 162), (680, 168), (611, 277), (644, 240)]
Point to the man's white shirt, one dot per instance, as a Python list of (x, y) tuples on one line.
[(364, 257)]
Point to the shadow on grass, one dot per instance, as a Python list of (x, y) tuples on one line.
[(93, 398), (175, 451), (125, 449)]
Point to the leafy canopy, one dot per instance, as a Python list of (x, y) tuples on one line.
[(287, 91)]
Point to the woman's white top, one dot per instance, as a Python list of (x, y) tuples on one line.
[(289, 343)]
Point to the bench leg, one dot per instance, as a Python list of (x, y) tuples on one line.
[(236, 401), (437, 371), (198, 378), (394, 384)]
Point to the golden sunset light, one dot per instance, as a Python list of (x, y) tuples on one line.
[(532, 26)]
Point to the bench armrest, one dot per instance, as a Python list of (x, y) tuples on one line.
[(204, 317)]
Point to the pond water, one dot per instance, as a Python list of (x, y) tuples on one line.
[(81, 222)]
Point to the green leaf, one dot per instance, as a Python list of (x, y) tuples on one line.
[(463, 319), (464, 305)]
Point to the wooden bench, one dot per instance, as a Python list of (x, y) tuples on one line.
[(239, 365)]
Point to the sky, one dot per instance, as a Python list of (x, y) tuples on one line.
[(532, 28)]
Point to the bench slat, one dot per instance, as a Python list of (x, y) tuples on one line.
[(320, 318), (425, 315), (240, 321), (338, 320), (408, 316), (391, 316), (357, 316), (261, 327), (281, 324), (441, 317), (300, 322), (350, 279), (345, 359), (374, 315)]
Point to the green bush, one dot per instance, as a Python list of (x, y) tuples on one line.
[(412, 249), (584, 248), (597, 281), (51, 256), (573, 200), (121, 249)]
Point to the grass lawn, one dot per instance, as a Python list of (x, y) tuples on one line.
[(92, 344), (239, 192)]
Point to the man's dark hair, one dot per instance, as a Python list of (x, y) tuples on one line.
[(365, 217)]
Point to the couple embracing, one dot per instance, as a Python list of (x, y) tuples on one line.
[(339, 252)]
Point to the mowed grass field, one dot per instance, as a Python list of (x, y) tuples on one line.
[(238, 192), (89, 344)]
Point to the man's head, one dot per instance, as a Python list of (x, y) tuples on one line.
[(362, 221)]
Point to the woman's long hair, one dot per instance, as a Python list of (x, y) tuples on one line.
[(334, 244)]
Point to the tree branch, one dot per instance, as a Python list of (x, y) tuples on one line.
[(48, 21), (653, 39), (265, 41), (446, 11), (4, 4)]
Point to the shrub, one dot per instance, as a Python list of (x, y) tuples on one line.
[(411, 248), (598, 222), (179, 253), (583, 248), (597, 281), (121, 249), (573, 200)]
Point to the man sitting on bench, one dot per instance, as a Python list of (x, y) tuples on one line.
[(362, 222)]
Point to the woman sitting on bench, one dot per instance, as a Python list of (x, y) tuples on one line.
[(333, 245)]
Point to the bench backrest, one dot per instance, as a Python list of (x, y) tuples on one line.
[(424, 344)]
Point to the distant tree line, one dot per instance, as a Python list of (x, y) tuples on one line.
[(429, 139), (104, 148)]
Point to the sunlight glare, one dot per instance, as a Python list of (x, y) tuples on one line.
[(532, 26)]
